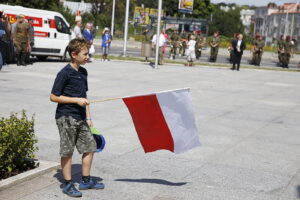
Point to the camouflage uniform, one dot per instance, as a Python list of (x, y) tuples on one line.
[(280, 49), (73, 133), (22, 41), (183, 41), (214, 50), (174, 44), (258, 51), (199, 45), (288, 47)]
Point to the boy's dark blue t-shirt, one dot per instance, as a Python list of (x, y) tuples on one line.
[(71, 83)]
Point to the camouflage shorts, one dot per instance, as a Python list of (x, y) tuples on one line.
[(74, 133)]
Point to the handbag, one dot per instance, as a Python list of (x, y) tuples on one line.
[(92, 49)]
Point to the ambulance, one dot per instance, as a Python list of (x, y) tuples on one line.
[(52, 32)]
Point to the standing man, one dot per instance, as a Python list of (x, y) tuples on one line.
[(214, 44), (161, 42), (258, 50), (238, 46), (183, 42), (146, 44), (5, 38), (280, 48), (288, 51), (77, 29), (2, 40), (31, 34), (230, 48), (174, 40), (22, 40), (89, 36)]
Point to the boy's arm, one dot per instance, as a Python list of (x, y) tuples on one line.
[(88, 116), (64, 99)]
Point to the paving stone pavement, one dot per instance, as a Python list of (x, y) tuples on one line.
[(247, 120)]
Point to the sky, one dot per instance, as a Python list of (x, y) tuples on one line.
[(256, 2)]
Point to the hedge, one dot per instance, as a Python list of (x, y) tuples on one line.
[(17, 144)]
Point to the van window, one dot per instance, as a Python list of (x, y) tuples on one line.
[(61, 25)]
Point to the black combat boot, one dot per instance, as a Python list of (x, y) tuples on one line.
[(23, 58), (27, 60), (18, 59)]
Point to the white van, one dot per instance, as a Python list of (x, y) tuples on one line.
[(52, 32)]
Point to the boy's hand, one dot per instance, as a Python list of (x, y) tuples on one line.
[(90, 123), (83, 102)]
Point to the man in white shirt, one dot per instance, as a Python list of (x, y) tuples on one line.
[(77, 29), (161, 43)]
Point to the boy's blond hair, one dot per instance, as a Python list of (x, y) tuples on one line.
[(76, 45)]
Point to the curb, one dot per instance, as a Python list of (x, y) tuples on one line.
[(44, 167)]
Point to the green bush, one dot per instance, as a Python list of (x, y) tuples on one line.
[(17, 144)]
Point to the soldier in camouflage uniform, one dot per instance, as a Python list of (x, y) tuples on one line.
[(214, 44), (280, 48), (199, 44), (258, 49), (288, 51), (174, 41), (22, 40), (183, 42)]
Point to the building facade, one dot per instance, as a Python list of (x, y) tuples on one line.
[(272, 21), (77, 6), (246, 17)]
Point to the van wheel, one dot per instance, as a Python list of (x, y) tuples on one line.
[(42, 58), (66, 56)]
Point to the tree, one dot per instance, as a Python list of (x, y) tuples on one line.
[(202, 9), (227, 23), (39, 4)]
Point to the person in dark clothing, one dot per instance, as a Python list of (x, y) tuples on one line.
[(238, 47), (4, 39), (2, 44), (230, 49)]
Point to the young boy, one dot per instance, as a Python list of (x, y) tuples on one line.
[(73, 117)]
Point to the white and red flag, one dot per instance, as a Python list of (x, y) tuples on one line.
[(164, 120)]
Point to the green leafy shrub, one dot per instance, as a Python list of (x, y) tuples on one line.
[(17, 144)]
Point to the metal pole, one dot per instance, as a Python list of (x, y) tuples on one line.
[(126, 27), (286, 24), (292, 26), (113, 18), (158, 32)]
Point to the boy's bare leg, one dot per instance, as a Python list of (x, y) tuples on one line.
[(87, 159), (66, 164)]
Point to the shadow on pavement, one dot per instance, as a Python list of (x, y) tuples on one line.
[(76, 175), (155, 181), (298, 191)]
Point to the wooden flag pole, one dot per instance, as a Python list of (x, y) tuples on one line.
[(116, 98), (103, 100)]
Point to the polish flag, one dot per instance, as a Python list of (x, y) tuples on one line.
[(164, 120)]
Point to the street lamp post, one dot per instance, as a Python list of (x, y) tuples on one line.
[(113, 18), (158, 32), (126, 27)]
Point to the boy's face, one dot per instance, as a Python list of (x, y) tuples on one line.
[(82, 57)]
